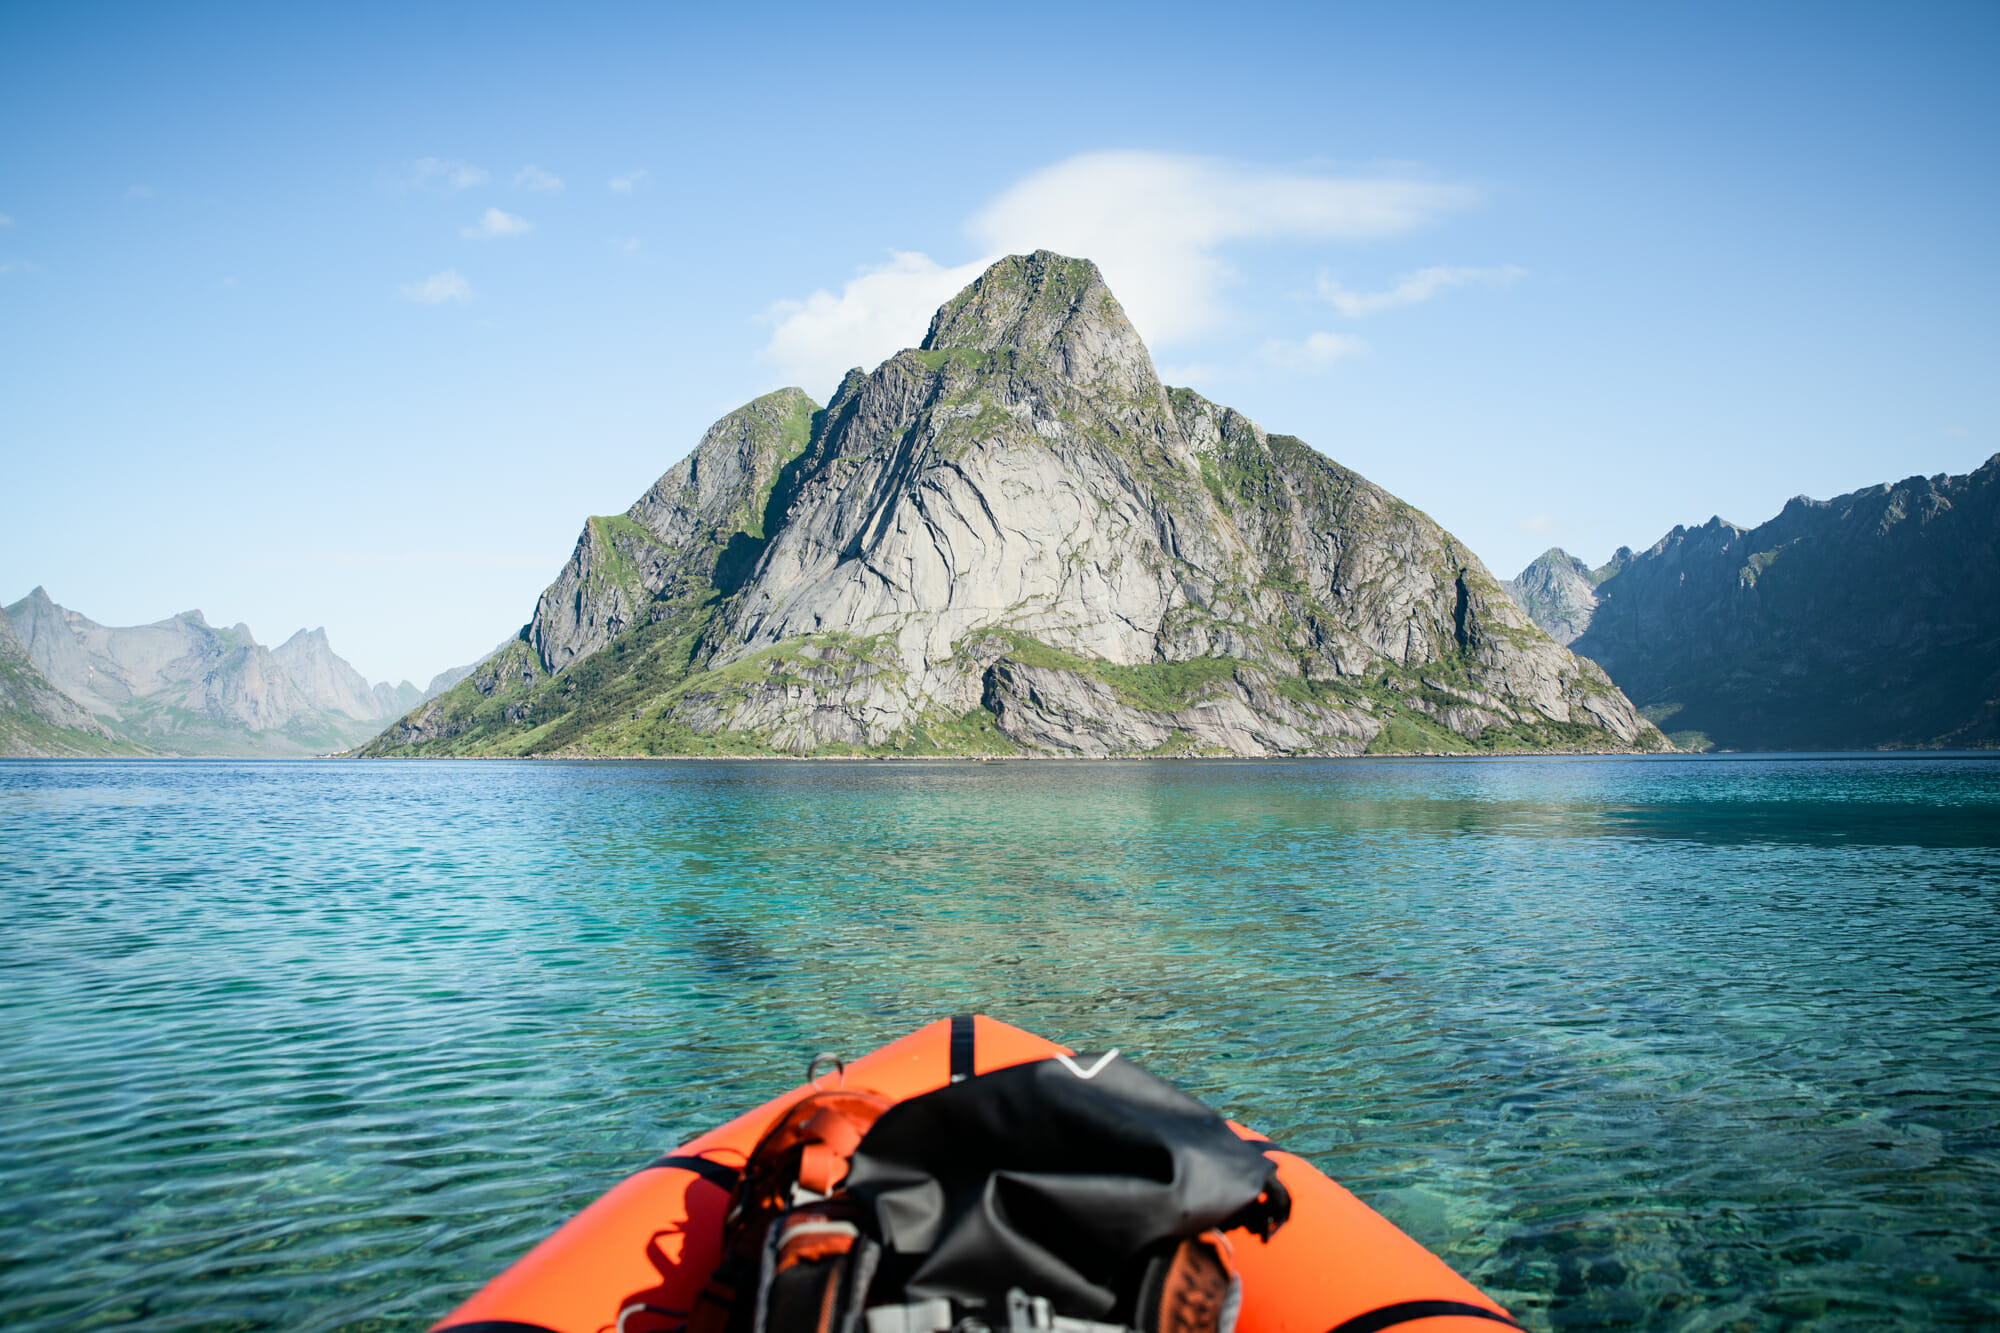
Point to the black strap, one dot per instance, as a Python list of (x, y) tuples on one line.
[(961, 1047), (715, 1173), (1404, 1311), (496, 1326)]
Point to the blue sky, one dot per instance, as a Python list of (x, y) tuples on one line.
[(347, 316)]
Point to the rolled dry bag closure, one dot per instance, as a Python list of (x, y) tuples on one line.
[(1063, 1181)]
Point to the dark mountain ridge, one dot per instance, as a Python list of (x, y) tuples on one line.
[(1871, 620)]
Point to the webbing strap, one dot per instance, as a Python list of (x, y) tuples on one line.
[(715, 1173), (961, 1047), (1404, 1311)]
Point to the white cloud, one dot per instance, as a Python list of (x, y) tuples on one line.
[(628, 182), (1536, 523), (532, 177), (1419, 286), (18, 266), (493, 223), (437, 289), (437, 173), (1316, 351), (876, 314), (625, 245), (138, 192), (1156, 223), (6, 221)]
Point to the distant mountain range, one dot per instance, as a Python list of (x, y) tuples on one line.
[(38, 719), (1015, 540), (181, 686), (1867, 621)]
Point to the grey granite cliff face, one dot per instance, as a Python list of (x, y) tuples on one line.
[(39, 721), (181, 686), (1868, 620), (1014, 538), (705, 513), (327, 682), (182, 662), (1559, 592)]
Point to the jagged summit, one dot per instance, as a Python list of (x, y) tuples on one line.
[(36, 719), (1868, 620), (1052, 310), (1558, 591), (181, 686), (1013, 539)]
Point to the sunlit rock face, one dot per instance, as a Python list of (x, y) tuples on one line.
[(1015, 538)]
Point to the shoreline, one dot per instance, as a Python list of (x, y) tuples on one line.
[(1992, 752)]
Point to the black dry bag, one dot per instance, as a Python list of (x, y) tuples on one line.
[(1067, 1194)]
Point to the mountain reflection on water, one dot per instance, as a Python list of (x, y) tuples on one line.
[(1663, 1044)]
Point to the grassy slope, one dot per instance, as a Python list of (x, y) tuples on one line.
[(26, 734), (619, 700)]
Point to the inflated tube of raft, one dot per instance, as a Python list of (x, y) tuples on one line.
[(634, 1260)]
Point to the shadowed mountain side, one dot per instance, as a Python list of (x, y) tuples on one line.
[(1014, 540), (1869, 620)]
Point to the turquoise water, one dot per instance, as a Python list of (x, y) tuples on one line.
[(1660, 1044)]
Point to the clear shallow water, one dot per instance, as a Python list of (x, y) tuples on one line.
[(1670, 1044)]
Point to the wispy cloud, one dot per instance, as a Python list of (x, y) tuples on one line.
[(437, 289), (1536, 523), (446, 175), (625, 245), (628, 182), (532, 177), (1419, 286), (1158, 225), (6, 221), (1315, 351), (18, 266), (494, 222), (1156, 222), (876, 313), (138, 192)]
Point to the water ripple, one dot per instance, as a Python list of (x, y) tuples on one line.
[(1634, 1044)]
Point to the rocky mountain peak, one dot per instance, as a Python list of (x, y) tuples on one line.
[(1015, 540), (1861, 621), (181, 686), (35, 717), (1048, 310), (1558, 591)]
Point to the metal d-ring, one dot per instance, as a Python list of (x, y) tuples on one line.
[(839, 1067)]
